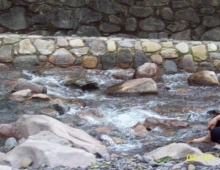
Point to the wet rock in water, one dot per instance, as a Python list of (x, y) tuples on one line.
[(208, 78), (167, 123), (29, 125), (61, 108), (138, 86), (139, 129), (20, 95), (90, 112), (81, 82), (10, 143), (23, 84), (41, 96), (148, 70), (49, 112)]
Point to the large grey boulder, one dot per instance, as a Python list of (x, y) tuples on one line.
[(47, 153), (29, 125), (15, 19)]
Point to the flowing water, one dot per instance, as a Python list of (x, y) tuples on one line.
[(117, 113)]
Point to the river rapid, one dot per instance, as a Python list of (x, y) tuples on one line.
[(109, 118)]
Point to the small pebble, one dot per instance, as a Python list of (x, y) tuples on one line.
[(191, 167), (26, 162), (10, 143)]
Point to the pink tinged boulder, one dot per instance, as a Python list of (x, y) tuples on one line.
[(139, 86), (139, 129), (62, 58), (167, 123), (29, 125), (50, 154), (23, 84), (208, 78), (20, 95), (147, 70)]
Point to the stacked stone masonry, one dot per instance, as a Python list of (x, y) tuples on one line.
[(21, 51), (153, 19)]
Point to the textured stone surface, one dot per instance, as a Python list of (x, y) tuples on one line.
[(156, 58), (26, 47), (187, 15), (170, 67), (111, 46), (131, 24), (76, 43), (108, 61), (169, 53), (6, 54), (124, 58), (139, 59), (109, 28), (152, 24), (199, 52), (90, 62), (62, 58), (213, 34), (98, 47), (212, 47), (139, 11), (45, 47), (26, 61), (182, 47), (149, 46), (187, 63), (10, 143), (80, 51), (15, 19)]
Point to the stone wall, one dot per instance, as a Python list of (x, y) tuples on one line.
[(21, 51), (173, 19)]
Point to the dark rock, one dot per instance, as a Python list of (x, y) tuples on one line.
[(157, 2), (207, 10), (163, 35), (187, 15), (74, 3), (170, 67), (153, 35), (143, 34), (200, 30), (115, 20), (124, 58), (85, 15), (180, 4), (213, 34), (128, 2), (15, 20), (167, 13), (104, 6), (88, 31), (109, 28), (177, 26), (5, 4), (139, 59), (62, 19), (183, 35), (108, 61), (142, 12), (40, 19), (152, 24), (61, 108), (211, 21), (131, 24), (26, 61)]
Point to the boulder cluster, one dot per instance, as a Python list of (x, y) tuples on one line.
[(186, 19)]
